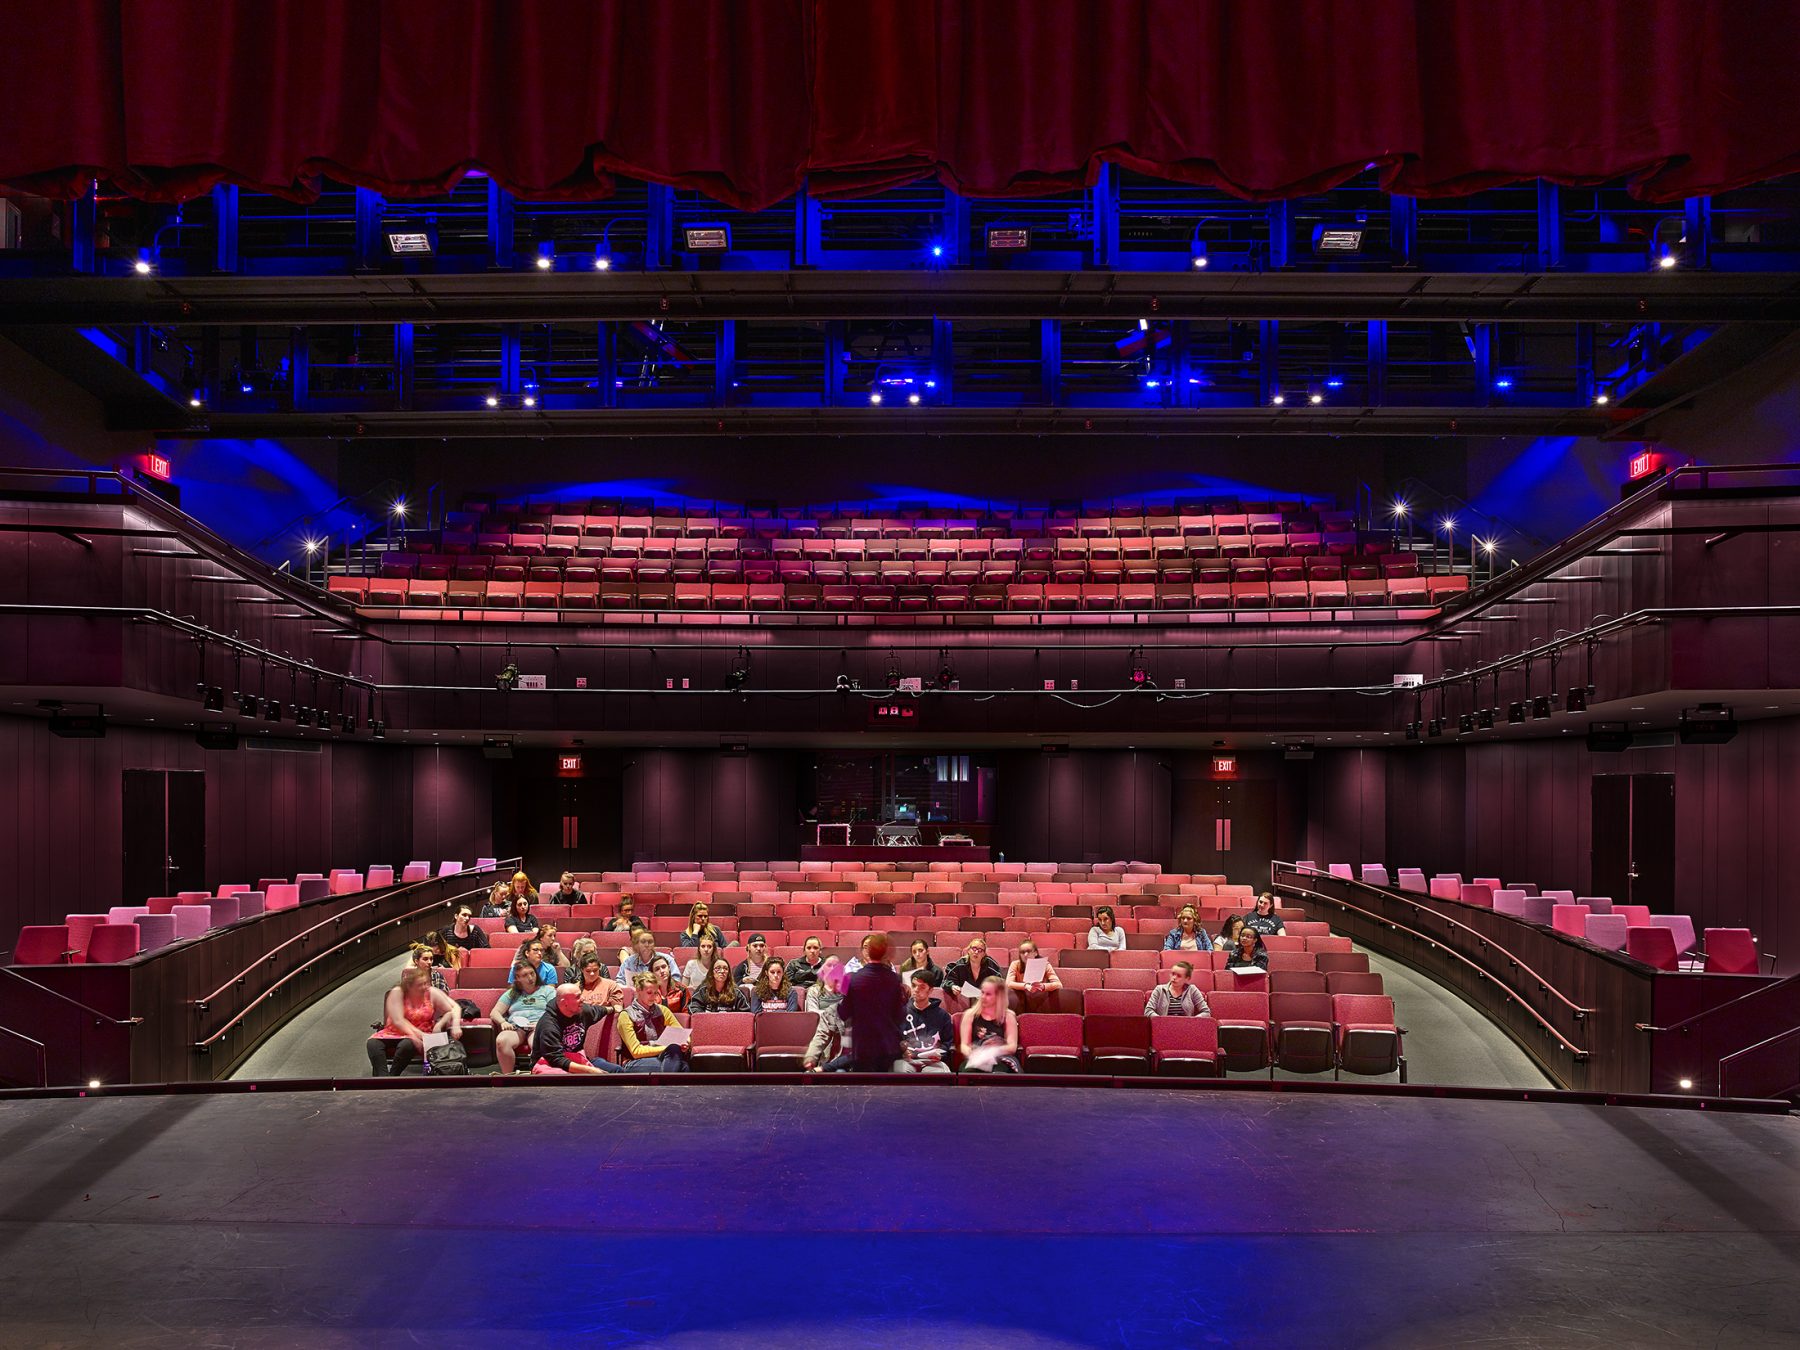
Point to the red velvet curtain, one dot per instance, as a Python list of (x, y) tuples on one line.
[(748, 100)]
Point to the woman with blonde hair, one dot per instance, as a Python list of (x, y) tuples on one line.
[(412, 1010), (699, 926), (989, 1036)]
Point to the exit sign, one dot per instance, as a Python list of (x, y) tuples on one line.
[(1224, 766), (1644, 463), (568, 766), (156, 466)]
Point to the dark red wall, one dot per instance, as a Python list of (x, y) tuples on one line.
[(704, 806), (267, 813), (1084, 806)]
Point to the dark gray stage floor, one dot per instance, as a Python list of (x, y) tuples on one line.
[(699, 1215)]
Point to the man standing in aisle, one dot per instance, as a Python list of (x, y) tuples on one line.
[(872, 1008)]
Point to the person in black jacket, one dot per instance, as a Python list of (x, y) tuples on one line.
[(871, 1009), (562, 1032), (927, 1034), (750, 969), (972, 967), (804, 969), (720, 993)]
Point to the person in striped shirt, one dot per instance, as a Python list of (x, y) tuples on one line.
[(1179, 997)]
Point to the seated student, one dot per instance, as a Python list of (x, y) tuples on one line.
[(597, 991), (972, 968), (499, 900), (1227, 938), (463, 933), (772, 992), (412, 1008), (1187, 935), (1179, 997), (700, 925), (1030, 995), (990, 1028), (561, 1033), (567, 892), (516, 1013), (1264, 919), (635, 960), (579, 951), (720, 993), (919, 962), (826, 998), (626, 919), (644, 1021), (750, 969), (804, 969), (1250, 950), (532, 950), (699, 965), (553, 952), (1106, 935), (426, 960), (518, 915), (669, 990), (928, 1035)]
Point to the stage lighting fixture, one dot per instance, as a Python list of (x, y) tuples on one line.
[(1465, 724), (844, 684), (310, 545), (1602, 398), (529, 401), (1668, 240), (347, 723), (1335, 382), (247, 704), (602, 263), (875, 398), (707, 238), (417, 243), (913, 400), (1575, 700), (1707, 724), (145, 264), (378, 729), (1435, 727), (1315, 399), (1400, 508), (1503, 383), (1666, 261), (507, 678), (399, 507), (302, 716), (1337, 238), (1484, 719), (937, 250), (1008, 239), (946, 677), (1515, 712), (493, 400), (271, 710), (213, 699), (1200, 260), (1540, 708), (1412, 731), (1278, 399), (740, 670), (546, 256)]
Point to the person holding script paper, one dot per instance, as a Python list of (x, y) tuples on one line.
[(644, 1032), (1032, 982), (963, 976), (990, 1032), (926, 1031), (1250, 955)]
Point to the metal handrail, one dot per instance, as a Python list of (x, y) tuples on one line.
[(244, 1011), (1512, 993), (43, 1059), (75, 1002), (341, 915), (1763, 991), (1719, 1080), (1481, 938)]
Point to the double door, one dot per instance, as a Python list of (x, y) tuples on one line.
[(164, 833), (1632, 840)]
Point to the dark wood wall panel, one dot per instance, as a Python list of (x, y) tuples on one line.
[(710, 806), (1084, 806)]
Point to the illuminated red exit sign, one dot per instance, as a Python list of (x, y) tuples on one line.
[(568, 766), (1224, 766), (1644, 463), (157, 467)]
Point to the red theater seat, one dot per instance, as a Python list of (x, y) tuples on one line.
[(1729, 951)]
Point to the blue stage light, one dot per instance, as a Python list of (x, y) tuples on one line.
[(937, 250), (1335, 382), (1504, 382)]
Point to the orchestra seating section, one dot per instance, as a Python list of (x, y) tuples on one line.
[(1665, 941), (125, 931), (611, 555)]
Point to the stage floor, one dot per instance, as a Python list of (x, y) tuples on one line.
[(1013, 1216)]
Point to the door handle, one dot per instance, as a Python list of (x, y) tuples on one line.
[(1633, 870)]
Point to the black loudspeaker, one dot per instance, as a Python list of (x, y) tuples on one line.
[(1608, 737), (1709, 724), (216, 738)]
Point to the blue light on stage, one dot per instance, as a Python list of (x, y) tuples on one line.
[(1504, 382), (1335, 382), (937, 250)]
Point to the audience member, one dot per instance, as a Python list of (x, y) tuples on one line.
[(635, 960), (919, 962), (750, 969), (516, 1013), (972, 968), (720, 993), (804, 969), (499, 900), (926, 1032), (532, 950), (626, 919), (560, 1036), (411, 1010), (1187, 935), (772, 991), (1106, 935), (644, 1023), (699, 925), (582, 948), (990, 1032), (518, 915), (827, 999), (463, 933), (872, 1008), (553, 952), (1179, 997), (1264, 919), (597, 991), (567, 892), (426, 960), (1227, 938), (522, 887), (1027, 995), (1250, 950), (669, 990), (694, 973)]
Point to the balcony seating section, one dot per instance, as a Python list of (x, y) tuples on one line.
[(191, 914), (608, 555), (1665, 941)]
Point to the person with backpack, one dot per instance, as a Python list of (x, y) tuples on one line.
[(413, 1010)]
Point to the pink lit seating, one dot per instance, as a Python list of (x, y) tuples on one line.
[(250, 903), (1374, 874), (1730, 951), (155, 930), (1510, 901), (1607, 931), (1652, 945), (378, 877), (43, 945), (1682, 926), (228, 910), (191, 921), (81, 931), (1477, 893), (112, 942), (1570, 919)]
